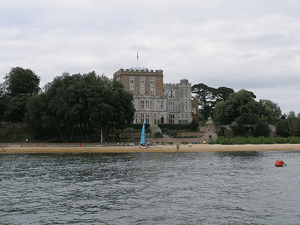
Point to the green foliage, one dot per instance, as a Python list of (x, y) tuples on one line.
[(240, 108), (21, 81), (87, 101), (140, 126), (239, 140), (172, 133), (282, 128), (170, 143), (294, 140), (208, 97), (175, 126), (261, 129), (194, 125), (288, 126), (270, 111), (158, 135), (16, 108), (221, 131), (223, 141), (165, 131), (241, 130), (212, 142), (243, 140), (184, 142), (19, 85), (268, 140), (281, 140)]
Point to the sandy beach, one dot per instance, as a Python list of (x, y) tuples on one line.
[(163, 148)]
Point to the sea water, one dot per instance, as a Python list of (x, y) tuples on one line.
[(150, 188)]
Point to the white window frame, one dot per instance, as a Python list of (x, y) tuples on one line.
[(171, 106), (142, 80)]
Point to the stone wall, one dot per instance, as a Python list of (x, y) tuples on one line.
[(167, 140), (191, 134)]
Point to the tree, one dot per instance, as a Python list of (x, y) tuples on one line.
[(16, 108), (19, 85), (4, 99), (88, 102), (21, 81), (194, 125), (205, 96), (262, 129), (270, 111), (293, 124), (208, 97), (240, 108), (222, 93)]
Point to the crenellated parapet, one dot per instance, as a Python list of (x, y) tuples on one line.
[(141, 71)]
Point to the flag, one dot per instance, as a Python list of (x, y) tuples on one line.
[(137, 55)]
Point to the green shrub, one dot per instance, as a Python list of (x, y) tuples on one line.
[(158, 135), (222, 131), (194, 125), (184, 142), (212, 142), (255, 141), (140, 126), (223, 141), (170, 143), (281, 140), (165, 131), (294, 140), (239, 140), (173, 133), (268, 140), (175, 126)]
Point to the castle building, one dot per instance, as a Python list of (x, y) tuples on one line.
[(154, 101)]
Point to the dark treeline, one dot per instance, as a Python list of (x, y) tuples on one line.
[(243, 113), (89, 103), (86, 102)]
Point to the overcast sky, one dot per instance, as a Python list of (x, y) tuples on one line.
[(240, 44)]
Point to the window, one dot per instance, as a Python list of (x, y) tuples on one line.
[(147, 104), (152, 92), (152, 80), (171, 94), (147, 118), (131, 91), (183, 121), (171, 106), (136, 118), (131, 80), (142, 117), (142, 104), (171, 118), (142, 80), (162, 105), (154, 118), (142, 91)]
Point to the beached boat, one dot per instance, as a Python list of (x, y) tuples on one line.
[(143, 143)]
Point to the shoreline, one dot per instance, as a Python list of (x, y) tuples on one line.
[(150, 149)]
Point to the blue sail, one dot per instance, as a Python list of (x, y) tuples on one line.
[(143, 135)]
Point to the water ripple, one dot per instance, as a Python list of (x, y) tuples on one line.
[(156, 188)]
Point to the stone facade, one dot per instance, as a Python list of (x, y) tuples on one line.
[(210, 131), (154, 101)]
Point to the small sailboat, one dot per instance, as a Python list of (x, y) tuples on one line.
[(143, 143)]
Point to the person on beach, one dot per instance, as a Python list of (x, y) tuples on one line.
[(177, 146)]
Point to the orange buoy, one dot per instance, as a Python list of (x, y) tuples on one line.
[(279, 163)]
